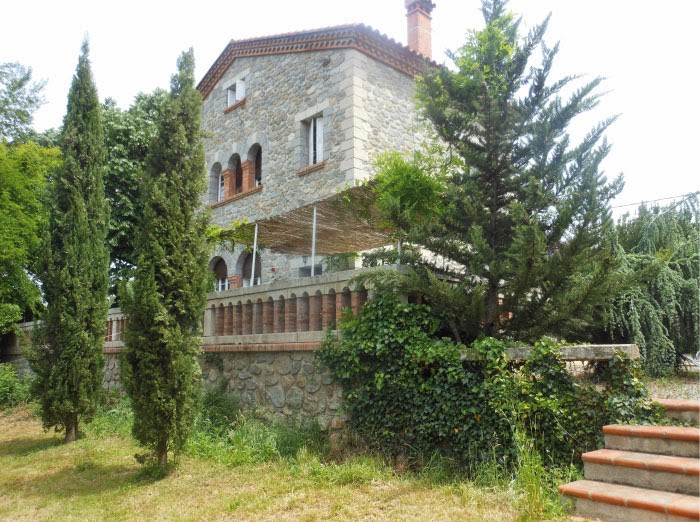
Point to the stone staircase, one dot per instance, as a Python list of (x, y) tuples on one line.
[(645, 473)]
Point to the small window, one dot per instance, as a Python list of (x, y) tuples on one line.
[(314, 128), (236, 92)]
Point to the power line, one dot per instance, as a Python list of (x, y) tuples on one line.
[(656, 200)]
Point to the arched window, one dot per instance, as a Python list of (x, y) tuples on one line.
[(255, 155), (234, 165), (220, 275), (246, 262), (216, 183)]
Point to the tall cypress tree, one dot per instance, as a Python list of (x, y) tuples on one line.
[(526, 227), (67, 348), (165, 303)]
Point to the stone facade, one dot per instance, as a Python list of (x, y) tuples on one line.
[(367, 107)]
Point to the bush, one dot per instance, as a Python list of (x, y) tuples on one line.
[(13, 389), (409, 394)]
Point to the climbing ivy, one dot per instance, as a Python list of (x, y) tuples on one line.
[(409, 393)]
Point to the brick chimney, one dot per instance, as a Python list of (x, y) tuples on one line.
[(418, 16)]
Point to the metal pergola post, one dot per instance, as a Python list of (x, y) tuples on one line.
[(313, 246), (255, 249)]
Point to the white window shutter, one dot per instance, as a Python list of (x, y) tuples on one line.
[(240, 89), (310, 142), (319, 139), (230, 96)]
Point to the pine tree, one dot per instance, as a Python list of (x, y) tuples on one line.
[(526, 225), (67, 348), (164, 306)]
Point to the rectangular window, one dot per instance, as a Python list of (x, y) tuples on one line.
[(236, 92), (315, 140)]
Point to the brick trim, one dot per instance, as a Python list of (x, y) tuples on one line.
[(310, 169), (235, 106), (238, 196)]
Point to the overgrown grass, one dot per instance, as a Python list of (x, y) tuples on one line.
[(240, 465)]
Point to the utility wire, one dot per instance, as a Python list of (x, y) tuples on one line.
[(656, 200)]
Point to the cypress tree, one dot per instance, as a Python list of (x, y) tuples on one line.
[(526, 226), (165, 303), (67, 353)]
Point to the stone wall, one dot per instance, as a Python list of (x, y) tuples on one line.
[(290, 385)]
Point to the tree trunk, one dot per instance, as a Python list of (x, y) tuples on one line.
[(162, 452), (71, 431), (492, 309)]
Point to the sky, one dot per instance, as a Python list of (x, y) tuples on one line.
[(645, 49)]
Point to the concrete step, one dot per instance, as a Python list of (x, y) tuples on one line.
[(620, 503), (679, 441), (686, 410), (644, 470)]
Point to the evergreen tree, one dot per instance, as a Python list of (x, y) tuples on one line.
[(525, 234), (660, 312), (164, 306), (67, 348)]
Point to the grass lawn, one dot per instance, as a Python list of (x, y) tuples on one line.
[(97, 478)]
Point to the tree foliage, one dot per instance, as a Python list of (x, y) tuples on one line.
[(525, 225), (660, 311), (19, 98), (164, 305), (128, 136), (67, 347), (24, 169)]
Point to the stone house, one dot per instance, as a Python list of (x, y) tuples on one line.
[(292, 124)]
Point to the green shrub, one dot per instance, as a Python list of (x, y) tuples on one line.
[(410, 394), (13, 389)]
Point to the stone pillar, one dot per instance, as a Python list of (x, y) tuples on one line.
[(209, 321), (258, 317)]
